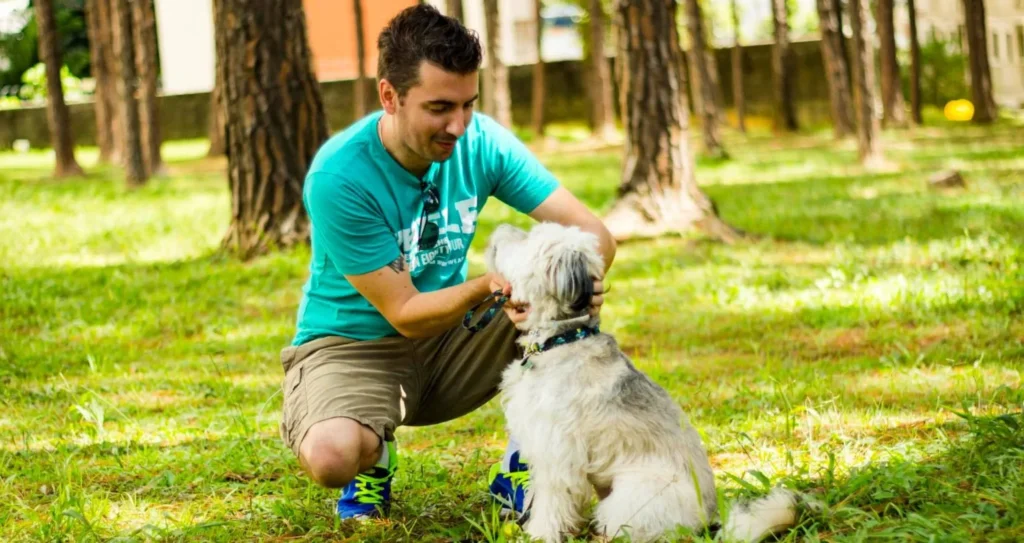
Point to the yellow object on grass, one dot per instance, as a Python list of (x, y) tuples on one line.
[(959, 110)]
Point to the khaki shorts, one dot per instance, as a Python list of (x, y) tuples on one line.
[(390, 382)]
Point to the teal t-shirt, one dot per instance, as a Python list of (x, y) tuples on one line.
[(366, 210)]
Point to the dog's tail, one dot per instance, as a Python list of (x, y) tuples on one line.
[(753, 521)]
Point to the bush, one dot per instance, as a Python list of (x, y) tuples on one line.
[(943, 72)]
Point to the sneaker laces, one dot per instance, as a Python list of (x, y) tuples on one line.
[(370, 488)]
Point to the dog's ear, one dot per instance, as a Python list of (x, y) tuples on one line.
[(573, 284)]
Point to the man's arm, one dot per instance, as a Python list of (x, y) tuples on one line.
[(418, 314), (564, 208)]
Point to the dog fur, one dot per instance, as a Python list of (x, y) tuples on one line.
[(587, 419)]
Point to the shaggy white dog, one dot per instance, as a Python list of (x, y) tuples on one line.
[(588, 420)]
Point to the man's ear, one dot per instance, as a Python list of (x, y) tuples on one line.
[(388, 96)]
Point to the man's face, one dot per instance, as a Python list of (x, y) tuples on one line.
[(435, 113)]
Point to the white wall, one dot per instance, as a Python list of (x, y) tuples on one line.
[(187, 51)]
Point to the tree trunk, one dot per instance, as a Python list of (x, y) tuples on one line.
[(981, 74), (602, 92), (836, 69), (111, 84), (864, 86), (705, 85), (782, 68), (454, 9), (144, 32), (659, 192), (135, 167), (273, 130), (57, 115), (915, 66), (497, 97), (360, 97), (102, 103), (737, 73), (893, 106), (538, 72), (215, 120)]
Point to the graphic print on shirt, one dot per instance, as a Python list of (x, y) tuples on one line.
[(450, 249)]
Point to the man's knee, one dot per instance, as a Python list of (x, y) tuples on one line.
[(334, 451)]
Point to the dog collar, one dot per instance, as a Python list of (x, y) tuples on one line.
[(565, 338)]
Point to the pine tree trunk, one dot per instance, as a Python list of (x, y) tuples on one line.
[(144, 32), (981, 74), (135, 167), (538, 71), (868, 128), (915, 66), (215, 120), (602, 93), (705, 85), (893, 105), (454, 9), (497, 96), (98, 43), (659, 192), (782, 68), (273, 130), (737, 73), (57, 115), (836, 69), (360, 95), (111, 84)]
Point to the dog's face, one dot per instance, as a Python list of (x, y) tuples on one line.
[(552, 268)]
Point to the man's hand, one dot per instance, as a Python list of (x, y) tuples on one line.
[(518, 313)]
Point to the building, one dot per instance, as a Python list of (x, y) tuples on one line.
[(944, 20), (187, 51)]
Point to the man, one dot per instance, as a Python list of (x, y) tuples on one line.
[(394, 201)]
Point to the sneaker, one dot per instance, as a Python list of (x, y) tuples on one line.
[(509, 487), (369, 494)]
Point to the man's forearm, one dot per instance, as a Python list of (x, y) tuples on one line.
[(428, 314)]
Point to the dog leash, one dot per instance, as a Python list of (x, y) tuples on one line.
[(499, 301)]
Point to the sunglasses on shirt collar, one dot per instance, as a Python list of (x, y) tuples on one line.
[(431, 204)]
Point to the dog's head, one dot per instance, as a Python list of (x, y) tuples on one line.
[(551, 268)]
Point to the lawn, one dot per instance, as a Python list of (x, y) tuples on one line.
[(866, 346)]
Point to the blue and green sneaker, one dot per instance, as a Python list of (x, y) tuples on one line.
[(508, 487), (369, 494)]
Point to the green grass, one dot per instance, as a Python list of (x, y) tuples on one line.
[(868, 348)]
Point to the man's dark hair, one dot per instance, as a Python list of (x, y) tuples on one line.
[(421, 33)]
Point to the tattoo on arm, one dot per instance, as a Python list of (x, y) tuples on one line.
[(398, 264)]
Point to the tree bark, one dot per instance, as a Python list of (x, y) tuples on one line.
[(868, 128), (782, 68), (216, 120), (659, 192), (538, 71), (111, 84), (135, 167), (705, 84), (454, 9), (57, 115), (497, 97), (836, 68), (893, 105), (102, 103), (915, 66), (360, 97), (274, 120), (981, 74), (144, 32), (602, 93), (737, 73)]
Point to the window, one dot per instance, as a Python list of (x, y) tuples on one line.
[(1009, 46), (1020, 39), (995, 45)]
